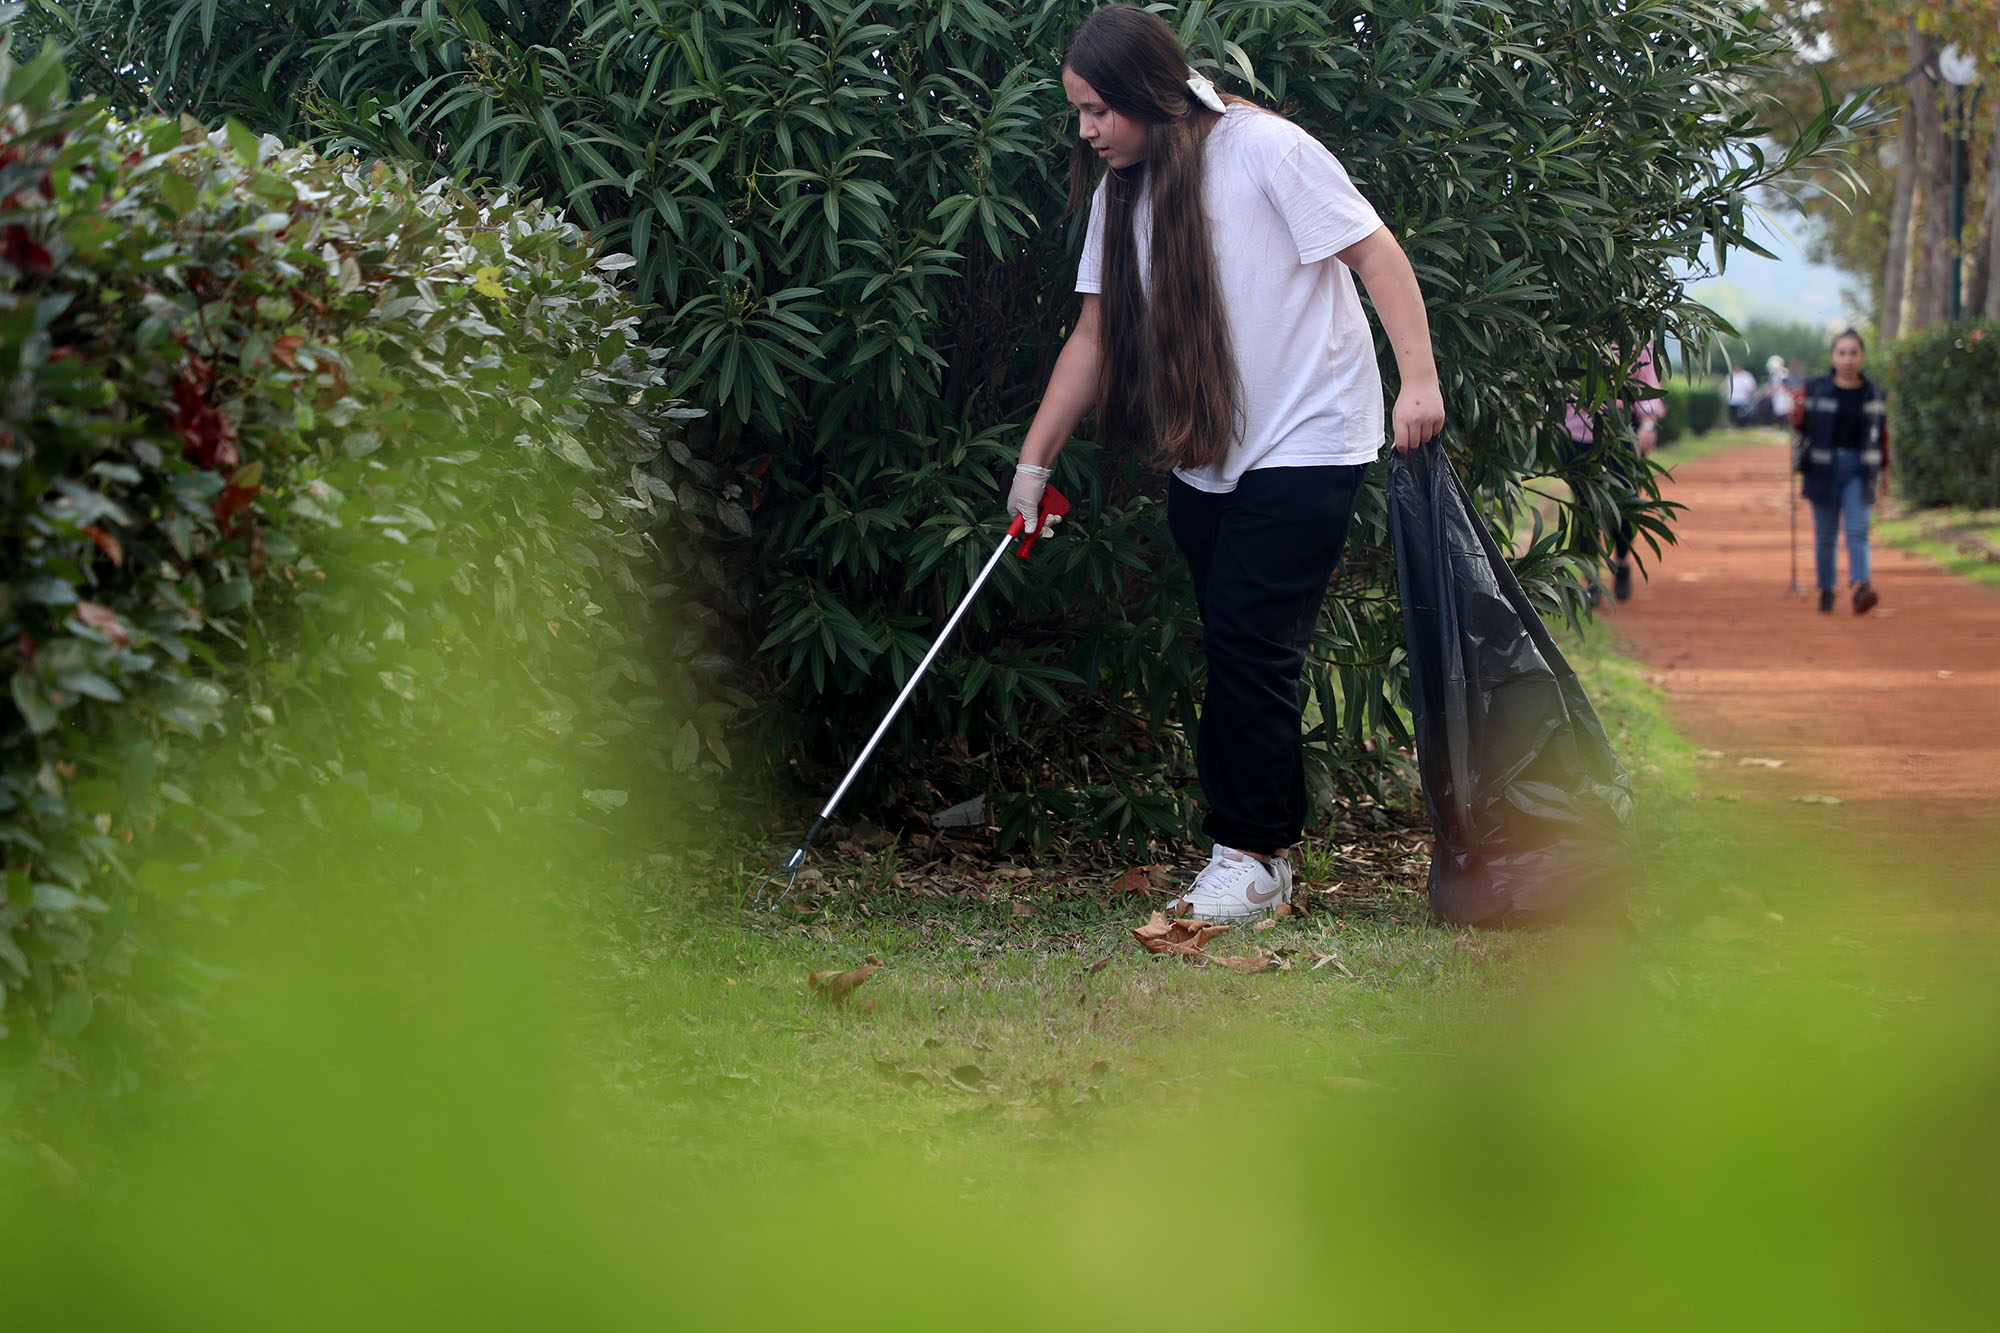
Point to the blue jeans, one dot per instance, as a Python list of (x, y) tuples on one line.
[(1850, 513)]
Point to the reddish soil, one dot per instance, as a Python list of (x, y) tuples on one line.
[(1896, 713)]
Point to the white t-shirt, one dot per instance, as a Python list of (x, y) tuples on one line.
[(1279, 207)]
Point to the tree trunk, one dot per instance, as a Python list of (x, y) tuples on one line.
[(1986, 275), (1930, 287), (1896, 267)]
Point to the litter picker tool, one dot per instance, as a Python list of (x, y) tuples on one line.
[(1054, 505)]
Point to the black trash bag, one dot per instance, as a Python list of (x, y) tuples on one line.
[(1532, 811)]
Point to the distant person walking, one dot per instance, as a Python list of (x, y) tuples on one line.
[(1843, 421), (1783, 400), (1742, 393)]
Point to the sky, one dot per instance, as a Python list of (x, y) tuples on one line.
[(1789, 288)]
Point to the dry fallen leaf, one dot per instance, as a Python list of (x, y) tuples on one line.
[(1264, 960), (1139, 879), (1268, 923), (1322, 959), (1023, 909), (838, 987), (1756, 761), (1180, 936)]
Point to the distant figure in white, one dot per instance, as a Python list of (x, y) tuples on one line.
[(1742, 393), (1781, 388)]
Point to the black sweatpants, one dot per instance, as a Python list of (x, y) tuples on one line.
[(1261, 557)]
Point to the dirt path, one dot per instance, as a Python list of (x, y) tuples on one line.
[(1896, 713)]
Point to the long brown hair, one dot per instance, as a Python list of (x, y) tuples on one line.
[(1170, 381)]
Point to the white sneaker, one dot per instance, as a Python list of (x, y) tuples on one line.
[(1235, 886)]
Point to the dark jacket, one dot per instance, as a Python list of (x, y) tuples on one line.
[(1814, 418)]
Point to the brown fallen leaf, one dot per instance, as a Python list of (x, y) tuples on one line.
[(1322, 959), (1288, 909), (1264, 960), (837, 987), (1100, 964), (910, 1077), (1180, 936), (1023, 909), (1139, 879)]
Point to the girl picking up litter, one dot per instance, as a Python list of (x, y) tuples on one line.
[(1220, 331)]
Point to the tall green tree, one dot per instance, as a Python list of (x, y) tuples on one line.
[(849, 216), (1889, 222)]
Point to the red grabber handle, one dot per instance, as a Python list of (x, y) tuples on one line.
[(1053, 502)]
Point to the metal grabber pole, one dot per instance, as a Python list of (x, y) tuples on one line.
[(1054, 505)]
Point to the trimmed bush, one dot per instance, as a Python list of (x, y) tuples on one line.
[(1673, 422), (373, 478), (1944, 415), (1693, 408), (1705, 403)]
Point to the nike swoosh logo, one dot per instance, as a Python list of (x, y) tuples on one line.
[(1259, 899)]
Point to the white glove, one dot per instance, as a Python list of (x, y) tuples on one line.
[(1025, 498)]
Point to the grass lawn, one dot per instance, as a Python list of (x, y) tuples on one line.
[(1730, 1104), (1963, 541), (1016, 991)]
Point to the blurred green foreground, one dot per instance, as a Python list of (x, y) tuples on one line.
[(1708, 1118)]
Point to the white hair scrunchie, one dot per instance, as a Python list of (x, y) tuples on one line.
[(1204, 91)]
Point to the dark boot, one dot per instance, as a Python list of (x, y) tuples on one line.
[(1864, 599), (1826, 599)]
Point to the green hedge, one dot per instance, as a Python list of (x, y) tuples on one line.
[(1693, 408), (1705, 404), (1673, 422), (1944, 415), (372, 478)]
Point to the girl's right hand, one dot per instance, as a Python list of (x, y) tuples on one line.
[(1025, 496), (1418, 416)]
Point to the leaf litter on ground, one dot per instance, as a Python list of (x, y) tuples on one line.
[(836, 986), (1187, 939)]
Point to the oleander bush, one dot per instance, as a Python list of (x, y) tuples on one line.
[(848, 216), (1944, 415), (371, 479)]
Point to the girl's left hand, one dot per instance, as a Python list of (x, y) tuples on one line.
[(1419, 416)]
